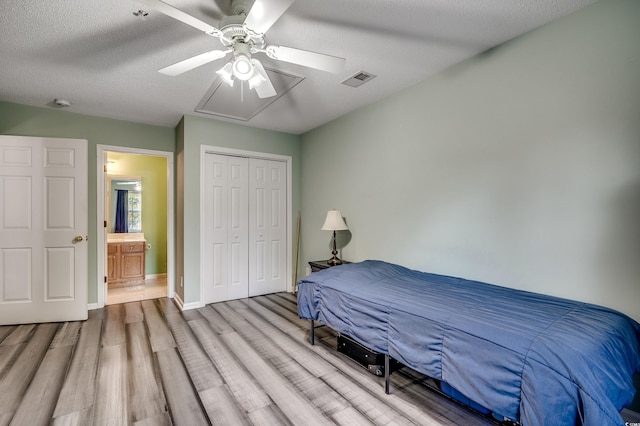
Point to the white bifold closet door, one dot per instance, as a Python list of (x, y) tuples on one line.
[(244, 246), (226, 228), (267, 227)]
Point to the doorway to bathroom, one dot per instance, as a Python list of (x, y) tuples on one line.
[(135, 251)]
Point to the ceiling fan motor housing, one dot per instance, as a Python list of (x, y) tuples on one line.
[(232, 26), (233, 30)]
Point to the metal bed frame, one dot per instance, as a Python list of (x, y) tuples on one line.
[(387, 372)]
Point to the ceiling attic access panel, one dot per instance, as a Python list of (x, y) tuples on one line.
[(241, 103)]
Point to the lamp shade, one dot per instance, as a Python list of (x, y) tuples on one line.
[(334, 222)]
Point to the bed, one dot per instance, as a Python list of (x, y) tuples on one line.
[(530, 358)]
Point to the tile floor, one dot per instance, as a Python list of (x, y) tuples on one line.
[(152, 288)]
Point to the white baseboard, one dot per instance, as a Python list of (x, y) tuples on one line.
[(154, 276), (179, 303), (186, 306)]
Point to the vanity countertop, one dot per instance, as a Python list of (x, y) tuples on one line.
[(126, 237)]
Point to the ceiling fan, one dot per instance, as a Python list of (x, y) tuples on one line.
[(243, 35)]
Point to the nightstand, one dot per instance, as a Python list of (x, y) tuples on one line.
[(318, 265)]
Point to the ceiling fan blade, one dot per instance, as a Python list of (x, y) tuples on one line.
[(315, 60), (193, 62), (174, 13), (264, 13), (265, 89)]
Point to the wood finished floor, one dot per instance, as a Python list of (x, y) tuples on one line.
[(234, 363), (151, 288)]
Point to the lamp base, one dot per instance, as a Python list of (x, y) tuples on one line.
[(334, 261)]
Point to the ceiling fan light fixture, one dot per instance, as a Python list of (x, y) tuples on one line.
[(259, 75), (226, 74), (242, 67)]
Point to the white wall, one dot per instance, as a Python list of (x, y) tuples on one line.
[(520, 167)]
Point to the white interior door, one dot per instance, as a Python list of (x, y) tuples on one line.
[(267, 230), (43, 228), (225, 246)]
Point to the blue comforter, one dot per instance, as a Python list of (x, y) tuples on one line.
[(535, 359)]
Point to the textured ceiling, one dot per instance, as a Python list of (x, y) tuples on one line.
[(103, 59)]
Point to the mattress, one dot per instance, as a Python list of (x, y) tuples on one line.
[(532, 358)]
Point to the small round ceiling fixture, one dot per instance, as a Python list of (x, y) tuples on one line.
[(62, 103)]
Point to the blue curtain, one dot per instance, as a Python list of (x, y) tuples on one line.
[(122, 211)]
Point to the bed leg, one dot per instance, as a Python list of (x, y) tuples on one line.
[(312, 333), (387, 373)]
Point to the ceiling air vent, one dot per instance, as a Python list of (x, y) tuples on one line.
[(358, 79)]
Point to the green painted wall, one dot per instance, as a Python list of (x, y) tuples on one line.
[(193, 132), (24, 120), (519, 167), (153, 172)]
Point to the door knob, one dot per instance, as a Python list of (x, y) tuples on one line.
[(78, 239)]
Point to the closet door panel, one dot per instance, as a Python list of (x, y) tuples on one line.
[(267, 212), (217, 255), (277, 271), (258, 214), (218, 274), (225, 240), (278, 230), (258, 256), (215, 239), (238, 231)]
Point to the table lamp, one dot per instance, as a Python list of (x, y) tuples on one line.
[(334, 222)]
